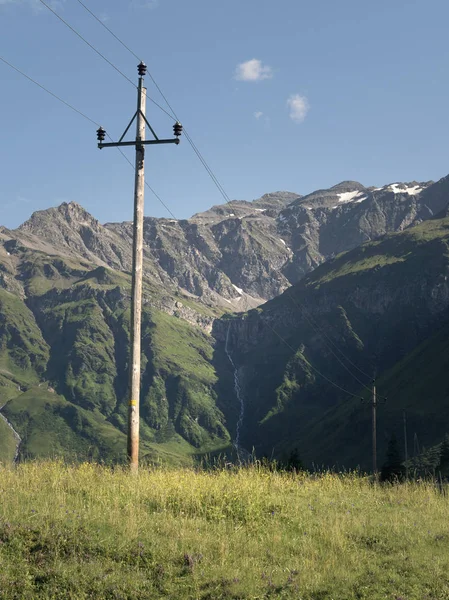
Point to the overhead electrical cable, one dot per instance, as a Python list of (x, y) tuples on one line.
[(111, 32), (48, 91), (310, 364), (319, 331), (173, 115), (102, 55), (146, 183), (87, 119), (331, 341)]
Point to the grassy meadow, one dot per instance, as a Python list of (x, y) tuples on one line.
[(83, 532)]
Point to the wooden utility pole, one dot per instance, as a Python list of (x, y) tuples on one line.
[(374, 427), (137, 266), (374, 404), (404, 416), (136, 286)]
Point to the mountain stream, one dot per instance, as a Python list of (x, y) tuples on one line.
[(16, 435), (238, 393)]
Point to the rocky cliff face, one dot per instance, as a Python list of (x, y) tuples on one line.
[(323, 224), (229, 256), (238, 255)]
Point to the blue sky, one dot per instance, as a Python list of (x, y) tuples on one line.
[(286, 95)]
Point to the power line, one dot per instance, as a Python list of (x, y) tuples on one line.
[(318, 330), (101, 55), (146, 183), (48, 91), (86, 42), (87, 119), (310, 364), (110, 31), (175, 116), (337, 348)]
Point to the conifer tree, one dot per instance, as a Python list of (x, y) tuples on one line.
[(294, 461), (393, 468), (443, 466)]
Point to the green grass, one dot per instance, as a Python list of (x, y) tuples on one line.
[(92, 532)]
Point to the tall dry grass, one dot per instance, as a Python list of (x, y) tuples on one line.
[(92, 532)]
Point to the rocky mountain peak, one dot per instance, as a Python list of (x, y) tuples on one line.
[(275, 199), (272, 202), (74, 212), (67, 213), (69, 229), (348, 186)]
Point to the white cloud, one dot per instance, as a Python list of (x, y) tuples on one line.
[(299, 107), (258, 114), (253, 70)]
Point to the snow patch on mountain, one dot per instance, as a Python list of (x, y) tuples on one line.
[(348, 196), (411, 191)]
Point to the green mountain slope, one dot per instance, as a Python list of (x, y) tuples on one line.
[(64, 338), (385, 306), (417, 384)]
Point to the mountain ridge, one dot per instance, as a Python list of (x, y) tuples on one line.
[(240, 254), (64, 306)]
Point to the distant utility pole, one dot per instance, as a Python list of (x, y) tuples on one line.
[(374, 404), (404, 415), (374, 427), (136, 289), (416, 450)]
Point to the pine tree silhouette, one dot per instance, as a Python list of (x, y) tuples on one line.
[(294, 462), (443, 466), (393, 468)]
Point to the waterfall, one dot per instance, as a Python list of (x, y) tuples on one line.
[(238, 393), (16, 435)]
